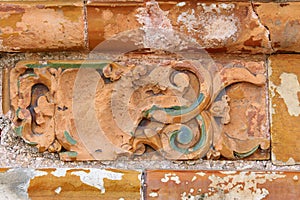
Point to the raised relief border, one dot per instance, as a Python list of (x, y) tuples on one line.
[(182, 109)]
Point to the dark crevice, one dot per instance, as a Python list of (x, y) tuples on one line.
[(266, 27), (268, 103), (38, 90)]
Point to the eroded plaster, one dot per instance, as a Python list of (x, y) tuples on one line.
[(95, 177), (288, 90), (235, 186), (14, 183), (171, 177)]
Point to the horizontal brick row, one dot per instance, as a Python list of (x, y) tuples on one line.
[(233, 27), (200, 184), (245, 136), (236, 126), (41, 26), (91, 183), (64, 183)]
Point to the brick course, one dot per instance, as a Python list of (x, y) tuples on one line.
[(262, 37)]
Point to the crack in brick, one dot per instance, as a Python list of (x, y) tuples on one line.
[(266, 27)]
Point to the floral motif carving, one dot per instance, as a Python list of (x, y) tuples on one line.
[(99, 109)]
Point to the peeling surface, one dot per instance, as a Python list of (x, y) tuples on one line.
[(228, 172), (78, 183), (153, 194), (181, 4), (222, 27), (248, 181), (201, 173), (15, 182), (57, 190), (284, 90), (276, 161), (288, 90), (217, 7), (60, 172), (171, 177), (157, 27), (194, 178), (27, 30), (95, 177), (225, 185), (215, 27)]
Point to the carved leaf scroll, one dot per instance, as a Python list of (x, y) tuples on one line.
[(97, 110)]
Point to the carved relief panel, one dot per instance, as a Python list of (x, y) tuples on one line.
[(181, 108)]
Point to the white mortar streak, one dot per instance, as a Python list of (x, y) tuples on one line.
[(86, 35)]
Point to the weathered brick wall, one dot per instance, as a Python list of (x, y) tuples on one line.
[(113, 99)]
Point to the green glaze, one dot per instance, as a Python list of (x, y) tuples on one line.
[(99, 65), (71, 154), (31, 75), (30, 143), (19, 130), (244, 155), (18, 111), (176, 110), (199, 144), (69, 138), (18, 84)]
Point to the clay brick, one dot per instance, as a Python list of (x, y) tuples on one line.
[(217, 27), (66, 183), (174, 184), (97, 110), (282, 20), (41, 26), (284, 88)]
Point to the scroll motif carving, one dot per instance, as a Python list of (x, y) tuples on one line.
[(97, 110)]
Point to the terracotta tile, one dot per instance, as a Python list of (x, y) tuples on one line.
[(173, 184), (246, 135), (40, 26), (82, 110), (218, 27), (284, 76), (65, 183), (283, 22)]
